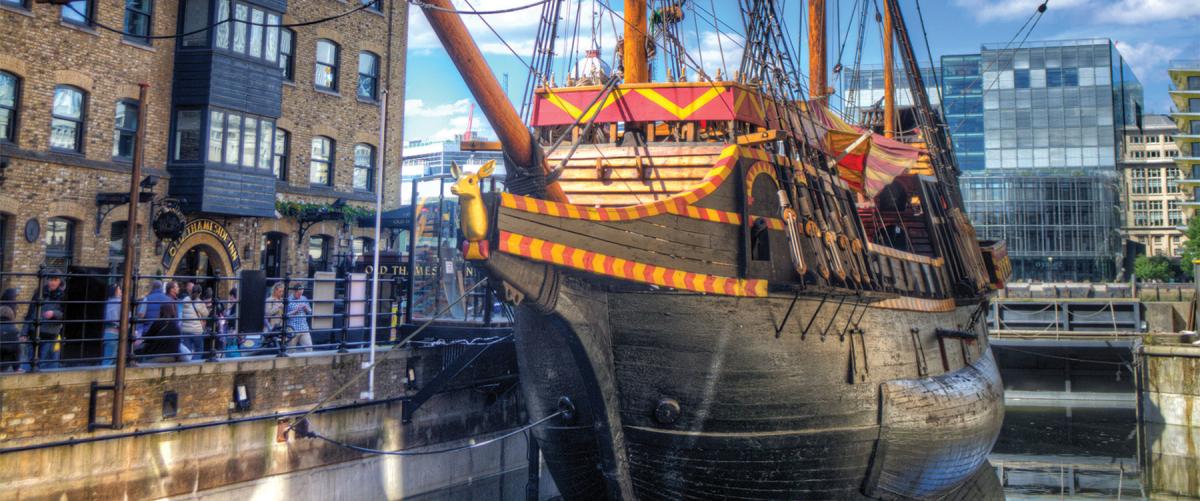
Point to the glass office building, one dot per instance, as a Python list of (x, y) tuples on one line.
[(962, 96), (863, 91), (1053, 115)]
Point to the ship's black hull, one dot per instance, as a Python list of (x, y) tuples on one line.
[(687, 396)]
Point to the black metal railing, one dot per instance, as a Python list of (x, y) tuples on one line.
[(53, 320)]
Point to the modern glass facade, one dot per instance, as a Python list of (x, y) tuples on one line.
[(864, 90), (1053, 116), (962, 95)]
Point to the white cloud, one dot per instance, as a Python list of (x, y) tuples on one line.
[(1145, 11), (1097, 11), (1148, 59), (517, 28), (417, 108), (996, 10), (710, 50)]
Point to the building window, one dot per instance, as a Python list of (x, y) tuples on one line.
[(81, 12), (321, 164), (195, 24), (240, 140), (320, 247), (223, 24), (327, 66), (361, 247), (116, 243), (60, 243), (287, 51), (368, 75), (373, 5), (10, 88), (364, 167), (125, 129), (66, 126), (1155, 208), (249, 35), (16, 3), (137, 20), (279, 157), (187, 135), (1174, 214)]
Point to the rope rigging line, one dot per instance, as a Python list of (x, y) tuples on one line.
[(502, 40), (367, 450), (219, 23), (1036, 17), (1123, 363)]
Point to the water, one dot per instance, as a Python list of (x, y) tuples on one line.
[(1068, 451)]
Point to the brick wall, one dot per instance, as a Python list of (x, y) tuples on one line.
[(41, 184), (53, 405)]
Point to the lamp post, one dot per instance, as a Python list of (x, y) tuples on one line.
[(1049, 268)]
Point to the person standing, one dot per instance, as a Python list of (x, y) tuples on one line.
[(147, 306), (194, 314), (11, 337), (10, 340), (163, 341), (273, 319), (112, 324), (44, 323), (298, 310)]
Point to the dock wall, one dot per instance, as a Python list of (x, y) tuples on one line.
[(186, 437)]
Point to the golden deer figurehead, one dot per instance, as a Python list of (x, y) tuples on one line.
[(467, 184), (473, 215)]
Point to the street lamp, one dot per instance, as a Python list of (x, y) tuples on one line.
[(1049, 268)]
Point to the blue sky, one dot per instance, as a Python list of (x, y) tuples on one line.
[(1149, 33)]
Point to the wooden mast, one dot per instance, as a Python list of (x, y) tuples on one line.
[(889, 80), (518, 144), (817, 74), (637, 68)]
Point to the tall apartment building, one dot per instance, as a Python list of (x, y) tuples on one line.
[(1053, 119), (1152, 196), (244, 116), (1185, 100)]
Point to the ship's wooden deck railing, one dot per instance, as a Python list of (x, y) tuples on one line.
[(908, 273)]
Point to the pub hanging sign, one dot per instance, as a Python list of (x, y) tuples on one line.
[(197, 227)]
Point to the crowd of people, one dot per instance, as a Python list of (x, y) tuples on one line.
[(174, 322)]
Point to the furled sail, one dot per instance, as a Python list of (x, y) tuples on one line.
[(870, 165)]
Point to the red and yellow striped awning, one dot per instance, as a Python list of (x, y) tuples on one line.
[(873, 163)]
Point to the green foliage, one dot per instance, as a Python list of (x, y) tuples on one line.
[(321, 211), (1191, 246), (1154, 268)]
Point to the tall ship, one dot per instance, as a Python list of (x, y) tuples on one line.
[(723, 287)]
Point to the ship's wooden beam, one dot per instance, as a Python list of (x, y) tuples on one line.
[(481, 146), (765, 136)]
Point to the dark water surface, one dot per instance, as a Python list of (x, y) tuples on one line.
[(1068, 452)]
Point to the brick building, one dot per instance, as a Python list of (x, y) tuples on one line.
[(1153, 197), (240, 117)]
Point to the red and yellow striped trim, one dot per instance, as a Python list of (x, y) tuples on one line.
[(601, 264), (758, 169), (916, 304)]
